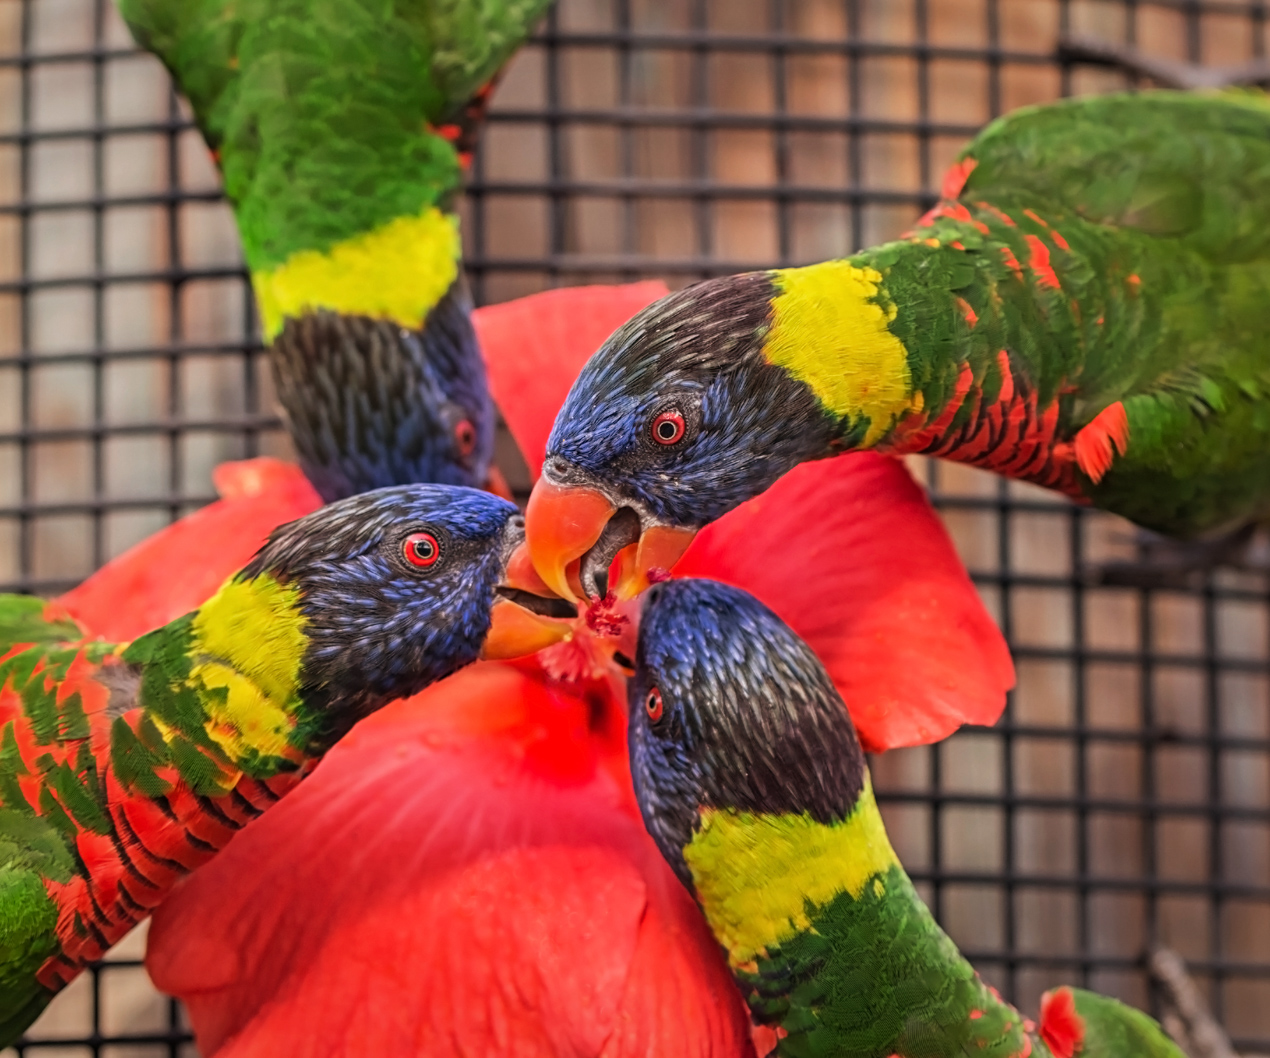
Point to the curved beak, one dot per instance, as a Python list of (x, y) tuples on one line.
[(574, 532), (526, 615), (658, 549)]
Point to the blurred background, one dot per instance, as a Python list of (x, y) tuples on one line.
[(1123, 801)]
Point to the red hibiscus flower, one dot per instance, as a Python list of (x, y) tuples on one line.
[(466, 873)]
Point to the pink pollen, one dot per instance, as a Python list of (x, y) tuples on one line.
[(604, 619)]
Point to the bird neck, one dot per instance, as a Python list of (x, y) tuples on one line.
[(933, 344), (396, 271), (831, 945), (221, 686)]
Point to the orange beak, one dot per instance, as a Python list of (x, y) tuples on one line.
[(659, 548), (563, 522), (526, 616)]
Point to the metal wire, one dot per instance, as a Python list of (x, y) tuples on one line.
[(1124, 799)]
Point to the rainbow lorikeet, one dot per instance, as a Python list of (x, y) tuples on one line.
[(752, 782), (342, 130), (125, 766), (1086, 309)]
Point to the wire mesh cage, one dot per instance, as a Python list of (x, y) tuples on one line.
[(1124, 799)]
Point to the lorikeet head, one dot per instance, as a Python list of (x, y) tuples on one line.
[(677, 419), (400, 587), (729, 709), (370, 403)]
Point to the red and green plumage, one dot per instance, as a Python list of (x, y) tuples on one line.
[(1100, 279), (111, 789)]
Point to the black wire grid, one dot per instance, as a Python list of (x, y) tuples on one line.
[(1123, 801)]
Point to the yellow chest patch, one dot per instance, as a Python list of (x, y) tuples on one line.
[(247, 719), (757, 876), (396, 272), (829, 331), (249, 639)]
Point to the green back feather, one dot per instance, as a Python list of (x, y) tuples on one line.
[(320, 110)]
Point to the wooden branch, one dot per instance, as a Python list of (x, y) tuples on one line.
[(1198, 1033)]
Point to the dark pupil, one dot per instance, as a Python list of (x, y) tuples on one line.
[(424, 549), (666, 429)]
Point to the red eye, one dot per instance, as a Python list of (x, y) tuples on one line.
[(421, 549), (465, 437), (653, 705), (668, 428)]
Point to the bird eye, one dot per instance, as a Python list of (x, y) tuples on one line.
[(465, 437), (421, 549), (668, 427), (653, 705)]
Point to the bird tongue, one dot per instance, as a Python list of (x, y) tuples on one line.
[(622, 530)]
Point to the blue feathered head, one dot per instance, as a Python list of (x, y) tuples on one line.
[(679, 416), (676, 420), (370, 403), (401, 587), (729, 708)]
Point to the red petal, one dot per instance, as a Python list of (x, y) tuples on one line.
[(875, 587), (1062, 1029), (534, 348), (180, 567), (459, 877)]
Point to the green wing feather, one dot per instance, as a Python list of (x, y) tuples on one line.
[(1190, 168), (31, 846)]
